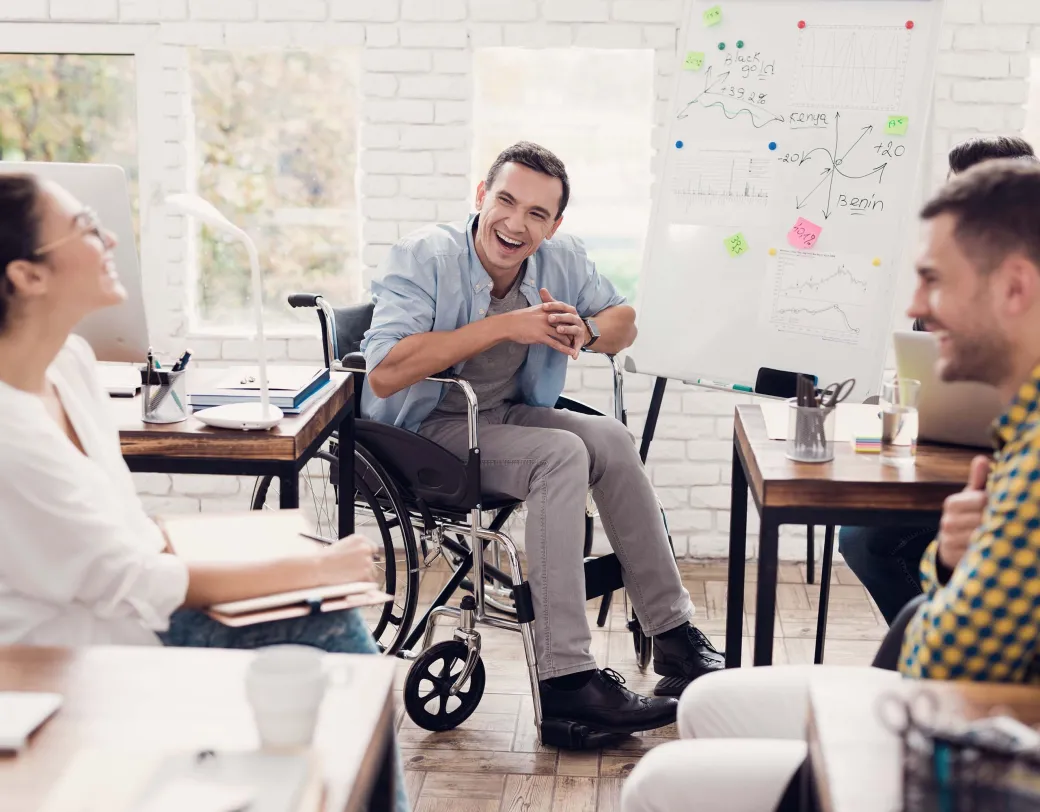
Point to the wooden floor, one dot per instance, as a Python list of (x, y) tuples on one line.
[(493, 762)]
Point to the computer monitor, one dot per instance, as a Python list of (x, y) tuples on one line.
[(118, 333)]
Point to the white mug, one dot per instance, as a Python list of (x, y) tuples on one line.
[(285, 686)]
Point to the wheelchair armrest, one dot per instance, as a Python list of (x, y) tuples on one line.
[(471, 400), (354, 362), (572, 405)]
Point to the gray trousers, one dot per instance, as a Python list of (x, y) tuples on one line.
[(550, 458)]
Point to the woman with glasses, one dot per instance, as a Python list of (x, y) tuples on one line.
[(80, 561)]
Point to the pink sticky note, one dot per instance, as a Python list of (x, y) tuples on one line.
[(804, 234)]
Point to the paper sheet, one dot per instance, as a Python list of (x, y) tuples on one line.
[(852, 420)]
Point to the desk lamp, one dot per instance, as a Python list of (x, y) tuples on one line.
[(245, 416)]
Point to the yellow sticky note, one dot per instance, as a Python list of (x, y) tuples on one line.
[(736, 245), (897, 125), (713, 16), (694, 60)]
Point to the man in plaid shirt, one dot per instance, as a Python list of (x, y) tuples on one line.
[(978, 291)]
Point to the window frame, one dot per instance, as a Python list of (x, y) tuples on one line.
[(142, 42)]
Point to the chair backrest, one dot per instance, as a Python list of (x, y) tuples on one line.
[(351, 324), (887, 656)]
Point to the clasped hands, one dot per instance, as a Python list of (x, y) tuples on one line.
[(552, 323)]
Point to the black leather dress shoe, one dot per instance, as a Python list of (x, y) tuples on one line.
[(686, 656), (603, 703)]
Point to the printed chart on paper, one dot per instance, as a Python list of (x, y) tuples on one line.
[(821, 295), (710, 181)]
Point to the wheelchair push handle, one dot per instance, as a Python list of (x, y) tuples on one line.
[(303, 299)]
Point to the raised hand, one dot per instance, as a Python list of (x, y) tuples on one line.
[(962, 514)]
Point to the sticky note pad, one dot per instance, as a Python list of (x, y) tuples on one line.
[(736, 245), (694, 60), (713, 16), (897, 125), (804, 234)]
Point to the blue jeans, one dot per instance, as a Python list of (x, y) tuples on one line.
[(888, 562), (338, 632)]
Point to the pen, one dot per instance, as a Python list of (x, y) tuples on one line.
[(313, 537), (183, 362), (736, 387)]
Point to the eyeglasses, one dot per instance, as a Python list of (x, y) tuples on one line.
[(86, 223)]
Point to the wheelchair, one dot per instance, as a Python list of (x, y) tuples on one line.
[(425, 503)]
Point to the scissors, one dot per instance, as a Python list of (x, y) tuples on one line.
[(837, 392)]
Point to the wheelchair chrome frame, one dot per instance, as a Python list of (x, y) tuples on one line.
[(466, 631)]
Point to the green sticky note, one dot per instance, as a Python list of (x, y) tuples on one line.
[(736, 245), (694, 60), (897, 125), (713, 16)]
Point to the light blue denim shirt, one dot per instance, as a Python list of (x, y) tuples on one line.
[(433, 280)]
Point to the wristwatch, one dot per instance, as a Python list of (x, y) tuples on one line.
[(590, 325)]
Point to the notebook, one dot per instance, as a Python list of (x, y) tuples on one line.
[(21, 712), (289, 386), (851, 421), (262, 535)]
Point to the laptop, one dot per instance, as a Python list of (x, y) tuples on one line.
[(958, 413)]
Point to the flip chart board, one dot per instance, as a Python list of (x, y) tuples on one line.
[(786, 193)]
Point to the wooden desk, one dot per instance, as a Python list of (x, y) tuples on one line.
[(193, 448), (168, 699), (853, 489), (856, 762)]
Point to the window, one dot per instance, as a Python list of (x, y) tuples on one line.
[(1031, 130), (275, 146), (593, 109), (77, 108)]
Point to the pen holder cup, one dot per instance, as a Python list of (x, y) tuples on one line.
[(164, 396), (810, 433)]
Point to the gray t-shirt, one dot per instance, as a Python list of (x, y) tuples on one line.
[(492, 374)]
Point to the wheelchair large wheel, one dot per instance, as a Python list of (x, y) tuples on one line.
[(381, 515), (427, 696)]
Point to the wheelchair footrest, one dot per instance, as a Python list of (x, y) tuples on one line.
[(670, 686), (576, 736)]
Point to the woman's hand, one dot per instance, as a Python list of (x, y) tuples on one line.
[(348, 560)]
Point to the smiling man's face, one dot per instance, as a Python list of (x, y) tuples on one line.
[(517, 212)]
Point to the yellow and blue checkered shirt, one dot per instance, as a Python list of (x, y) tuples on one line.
[(984, 622)]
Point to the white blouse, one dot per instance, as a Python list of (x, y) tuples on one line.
[(80, 561)]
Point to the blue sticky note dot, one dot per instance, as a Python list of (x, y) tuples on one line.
[(678, 144), (772, 144)]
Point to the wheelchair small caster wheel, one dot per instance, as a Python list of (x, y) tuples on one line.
[(643, 644), (427, 686)]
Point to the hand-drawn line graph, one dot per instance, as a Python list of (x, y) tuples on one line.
[(731, 107), (720, 179), (858, 67), (815, 294), (835, 160)]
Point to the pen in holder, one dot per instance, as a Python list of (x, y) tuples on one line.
[(164, 396), (810, 432)]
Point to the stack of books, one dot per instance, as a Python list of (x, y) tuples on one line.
[(291, 387)]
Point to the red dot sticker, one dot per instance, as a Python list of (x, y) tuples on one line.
[(909, 24), (801, 23)]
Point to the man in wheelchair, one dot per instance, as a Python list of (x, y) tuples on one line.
[(499, 303)]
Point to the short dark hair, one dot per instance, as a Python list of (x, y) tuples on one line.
[(19, 230), (989, 147), (535, 157), (997, 206)]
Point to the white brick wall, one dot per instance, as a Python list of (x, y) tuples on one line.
[(415, 137)]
